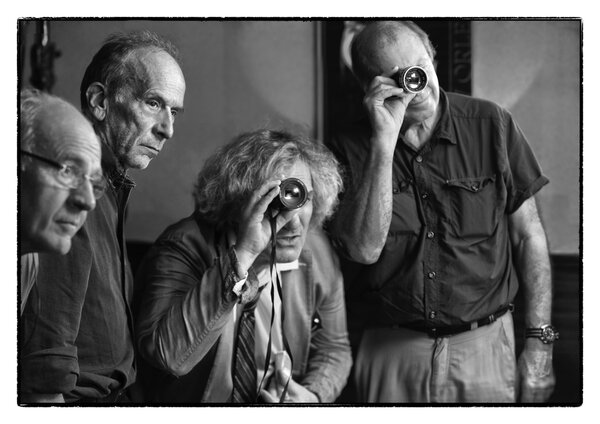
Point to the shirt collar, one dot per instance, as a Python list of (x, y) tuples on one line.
[(444, 130), (115, 177)]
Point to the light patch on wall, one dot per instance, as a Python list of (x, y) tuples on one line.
[(269, 63), (520, 61)]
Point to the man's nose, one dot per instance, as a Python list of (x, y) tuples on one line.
[(164, 127), (82, 197), (293, 223)]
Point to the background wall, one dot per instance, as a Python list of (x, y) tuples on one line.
[(240, 75), (533, 69)]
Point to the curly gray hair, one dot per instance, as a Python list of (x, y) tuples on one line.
[(237, 169)]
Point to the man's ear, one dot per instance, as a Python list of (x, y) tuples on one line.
[(96, 100)]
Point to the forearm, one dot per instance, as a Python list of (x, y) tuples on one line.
[(330, 358), (533, 265), (182, 320), (49, 326), (365, 213), (328, 371)]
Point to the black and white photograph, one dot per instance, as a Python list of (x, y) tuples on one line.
[(298, 214)]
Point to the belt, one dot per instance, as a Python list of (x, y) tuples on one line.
[(455, 329)]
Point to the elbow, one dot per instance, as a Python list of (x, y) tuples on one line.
[(364, 255), (360, 248)]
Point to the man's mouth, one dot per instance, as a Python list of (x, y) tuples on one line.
[(152, 149), (287, 239), (69, 226)]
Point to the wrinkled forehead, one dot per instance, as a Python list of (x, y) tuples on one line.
[(299, 169), (405, 49), (152, 64)]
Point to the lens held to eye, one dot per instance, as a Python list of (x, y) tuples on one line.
[(292, 195), (413, 79)]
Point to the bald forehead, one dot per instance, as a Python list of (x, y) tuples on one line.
[(62, 128), (150, 59), (148, 65)]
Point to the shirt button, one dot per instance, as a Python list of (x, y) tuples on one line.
[(474, 188), (419, 158), (424, 196), (431, 275), (430, 234), (432, 314)]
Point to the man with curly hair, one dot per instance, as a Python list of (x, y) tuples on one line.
[(206, 271)]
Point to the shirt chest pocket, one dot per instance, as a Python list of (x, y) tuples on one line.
[(472, 206), (405, 217)]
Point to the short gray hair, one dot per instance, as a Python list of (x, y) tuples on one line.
[(237, 169), (31, 102), (109, 66)]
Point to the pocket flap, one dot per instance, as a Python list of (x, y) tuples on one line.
[(473, 185)]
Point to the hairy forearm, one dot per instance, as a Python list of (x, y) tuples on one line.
[(365, 213), (533, 265)]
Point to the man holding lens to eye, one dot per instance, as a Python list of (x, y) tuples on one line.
[(252, 252), (60, 179), (441, 206), (79, 346)]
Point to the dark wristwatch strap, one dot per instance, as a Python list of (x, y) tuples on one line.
[(546, 333)]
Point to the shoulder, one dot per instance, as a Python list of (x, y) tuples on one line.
[(318, 248), (189, 233), (473, 107)]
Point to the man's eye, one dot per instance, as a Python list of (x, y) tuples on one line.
[(153, 104), (173, 113)]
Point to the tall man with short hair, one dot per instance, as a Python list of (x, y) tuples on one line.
[(81, 346), (441, 206)]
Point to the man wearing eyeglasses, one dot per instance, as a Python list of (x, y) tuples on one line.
[(60, 179), (83, 352)]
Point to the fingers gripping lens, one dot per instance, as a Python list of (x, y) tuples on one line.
[(413, 79), (292, 195)]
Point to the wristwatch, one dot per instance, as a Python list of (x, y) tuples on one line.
[(546, 333), (239, 281)]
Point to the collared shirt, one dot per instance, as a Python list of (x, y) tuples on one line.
[(80, 340), (447, 257), (269, 311), (185, 321)]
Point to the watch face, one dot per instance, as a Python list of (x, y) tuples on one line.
[(548, 334)]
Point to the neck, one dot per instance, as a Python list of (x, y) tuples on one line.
[(417, 133), (109, 159)]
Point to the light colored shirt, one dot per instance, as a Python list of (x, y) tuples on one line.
[(29, 271)]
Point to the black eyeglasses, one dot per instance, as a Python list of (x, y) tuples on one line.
[(71, 176)]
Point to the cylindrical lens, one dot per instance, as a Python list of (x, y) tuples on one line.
[(292, 195), (413, 79)]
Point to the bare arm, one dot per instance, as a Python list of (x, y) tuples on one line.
[(533, 266), (365, 214)]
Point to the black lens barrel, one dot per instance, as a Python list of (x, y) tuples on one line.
[(292, 195)]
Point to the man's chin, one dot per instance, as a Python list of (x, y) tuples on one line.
[(139, 162), (286, 254), (60, 244)]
